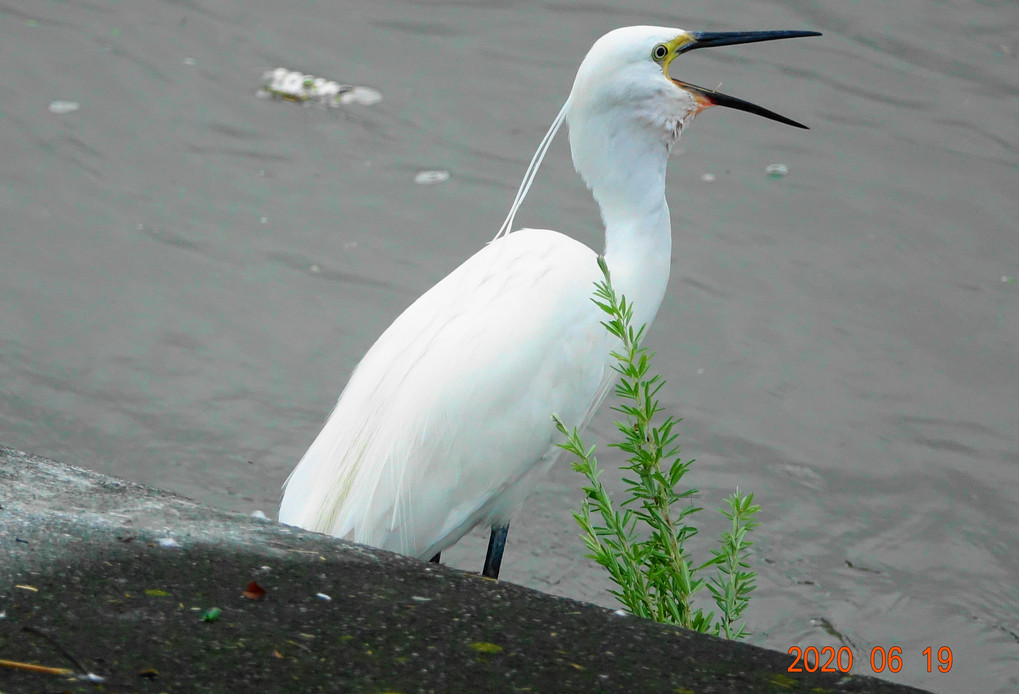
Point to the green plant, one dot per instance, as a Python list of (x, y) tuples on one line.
[(655, 576)]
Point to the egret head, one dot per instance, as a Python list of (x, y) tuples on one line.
[(625, 112), (624, 80)]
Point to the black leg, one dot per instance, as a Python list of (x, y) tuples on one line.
[(437, 558), (496, 545)]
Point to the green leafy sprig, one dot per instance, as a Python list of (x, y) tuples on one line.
[(642, 541)]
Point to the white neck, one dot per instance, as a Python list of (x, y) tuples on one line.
[(623, 163)]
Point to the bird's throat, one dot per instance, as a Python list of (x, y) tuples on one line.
[(623, 161)]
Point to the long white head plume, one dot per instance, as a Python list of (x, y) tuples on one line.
[(532, 170)]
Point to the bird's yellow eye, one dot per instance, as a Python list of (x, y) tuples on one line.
[(659, 52)]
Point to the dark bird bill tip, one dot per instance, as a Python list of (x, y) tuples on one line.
[(710, 39), (710, 97)]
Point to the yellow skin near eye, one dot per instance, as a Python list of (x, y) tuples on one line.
[(665, 53), (672, 49)]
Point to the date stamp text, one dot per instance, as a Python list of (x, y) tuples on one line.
[(828, 659)]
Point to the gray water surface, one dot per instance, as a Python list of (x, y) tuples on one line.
[(189, 273)]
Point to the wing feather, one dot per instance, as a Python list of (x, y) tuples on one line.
[(451, 408)]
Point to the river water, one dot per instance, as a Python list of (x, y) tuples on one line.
[(188, 273)]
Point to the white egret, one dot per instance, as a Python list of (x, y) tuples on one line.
[(446, 423)]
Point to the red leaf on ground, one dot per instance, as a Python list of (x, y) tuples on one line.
[(254, 592)]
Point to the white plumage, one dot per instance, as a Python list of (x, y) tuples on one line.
[(446, 412), (447, 421)]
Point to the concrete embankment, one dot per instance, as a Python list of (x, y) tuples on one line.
[(107, 577)]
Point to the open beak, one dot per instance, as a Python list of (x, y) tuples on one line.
[(709, 39)]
